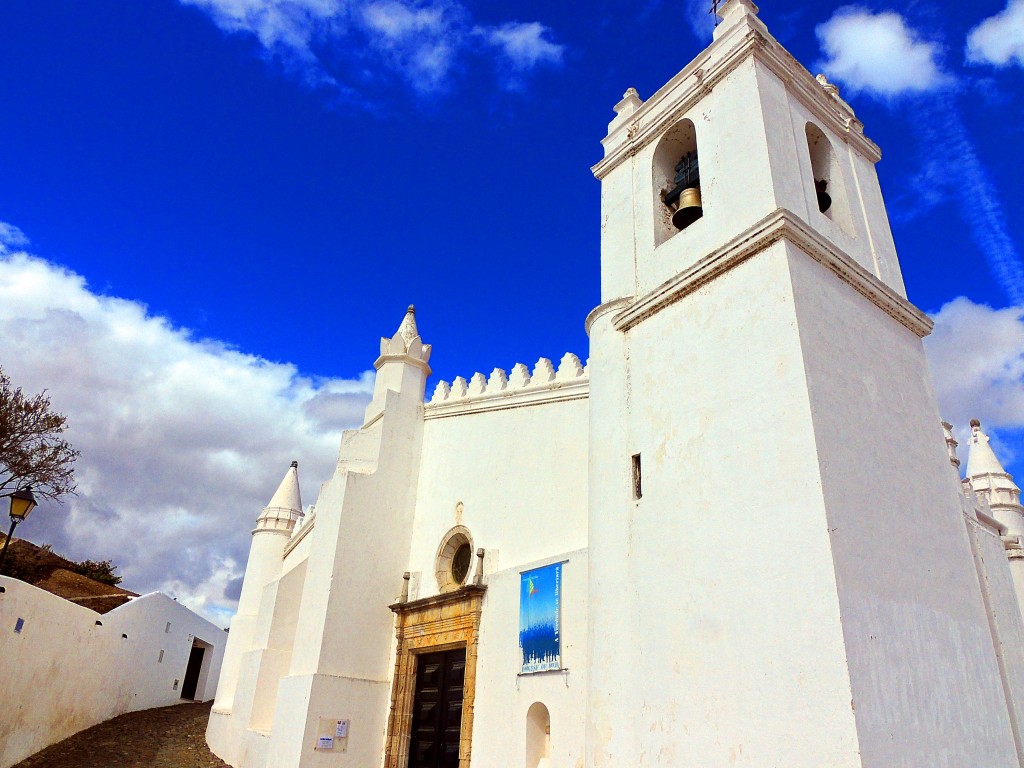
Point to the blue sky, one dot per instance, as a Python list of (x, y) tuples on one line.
[(228, 202)]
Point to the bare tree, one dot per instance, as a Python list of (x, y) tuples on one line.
[(32, 449)]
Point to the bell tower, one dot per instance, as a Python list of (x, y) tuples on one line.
[(779, 570)]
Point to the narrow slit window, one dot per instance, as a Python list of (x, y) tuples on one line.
[(637, 487), (160, 658)]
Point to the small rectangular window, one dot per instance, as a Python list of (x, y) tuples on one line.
[(19, 625), (160, 659), (637, 488), (167, 628)]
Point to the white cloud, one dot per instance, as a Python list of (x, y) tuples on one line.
[(999, 39), (976, 355), (421, 42), (701, 21), (878, 53), (183, 440), (11, 237), (525, 45)]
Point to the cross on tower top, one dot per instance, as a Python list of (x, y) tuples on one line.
[(714, 10)]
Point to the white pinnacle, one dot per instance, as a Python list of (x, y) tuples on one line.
[(407, 330), (287, 496), (981, 460)]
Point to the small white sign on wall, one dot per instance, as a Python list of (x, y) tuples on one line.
[(332, 734)]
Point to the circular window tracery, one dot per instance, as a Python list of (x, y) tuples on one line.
[(454, 559)]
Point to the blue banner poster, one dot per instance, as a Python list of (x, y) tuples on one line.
[(540, 605)]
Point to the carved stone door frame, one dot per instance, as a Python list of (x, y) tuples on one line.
[(439, 623)]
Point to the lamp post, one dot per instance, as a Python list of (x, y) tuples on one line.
[(22, 502)]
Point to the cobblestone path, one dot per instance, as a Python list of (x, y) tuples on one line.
[(168, 737)]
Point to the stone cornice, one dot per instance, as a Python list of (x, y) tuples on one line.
[(401, 358), (445, 598), (553, 392), (603, 309), (782, 225), (706, 71)]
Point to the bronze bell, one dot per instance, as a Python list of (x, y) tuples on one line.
[(824, 199), (689, 208)]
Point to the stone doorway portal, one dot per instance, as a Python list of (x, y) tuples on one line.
[(435, 663), (437, 709)]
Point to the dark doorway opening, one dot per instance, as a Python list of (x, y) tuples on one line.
[(195, 665), (437, 710)]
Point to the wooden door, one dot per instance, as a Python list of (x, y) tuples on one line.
[(437, 710)]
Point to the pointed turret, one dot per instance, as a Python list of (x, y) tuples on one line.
[(402, 365), (273, 530), (285, 507), (992, 482)]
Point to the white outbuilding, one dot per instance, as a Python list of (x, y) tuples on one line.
[(731, 537)]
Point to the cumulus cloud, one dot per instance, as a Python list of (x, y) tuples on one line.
[(344, 43), (525, 45), (183, 439), (882, 55), (878, 54), (999, 39), (976, 354), (11, 237)]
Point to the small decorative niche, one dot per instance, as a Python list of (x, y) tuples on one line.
[(538, 736)]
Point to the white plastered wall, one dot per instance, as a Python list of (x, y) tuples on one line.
[(64, 672), (924, 676), (1005, 622), (339, 665), (503, 697), (520, 475), (715, 631)]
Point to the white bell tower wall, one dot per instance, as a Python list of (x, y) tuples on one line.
[(751, 117), (790, 581)]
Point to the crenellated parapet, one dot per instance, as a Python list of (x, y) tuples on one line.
[(570, 380)]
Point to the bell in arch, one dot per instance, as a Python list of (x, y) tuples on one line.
[(824, 198), (689, 208), (684, 196)]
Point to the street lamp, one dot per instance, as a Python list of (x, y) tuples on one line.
[(22, 502)]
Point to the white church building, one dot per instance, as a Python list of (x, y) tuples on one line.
[(731, 538)]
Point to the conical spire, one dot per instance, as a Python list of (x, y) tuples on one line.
[(406, 340), (992, 483), (981, 460), (285, 506), (407, 330)]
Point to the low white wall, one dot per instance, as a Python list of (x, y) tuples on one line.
[(66, 668)]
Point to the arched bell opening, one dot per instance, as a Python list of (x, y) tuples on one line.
[(829, 188), (538, 736), (678, 202)]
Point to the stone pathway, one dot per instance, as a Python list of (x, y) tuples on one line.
[(168, 737)]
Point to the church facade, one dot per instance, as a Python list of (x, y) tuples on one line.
[(671, 554)]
